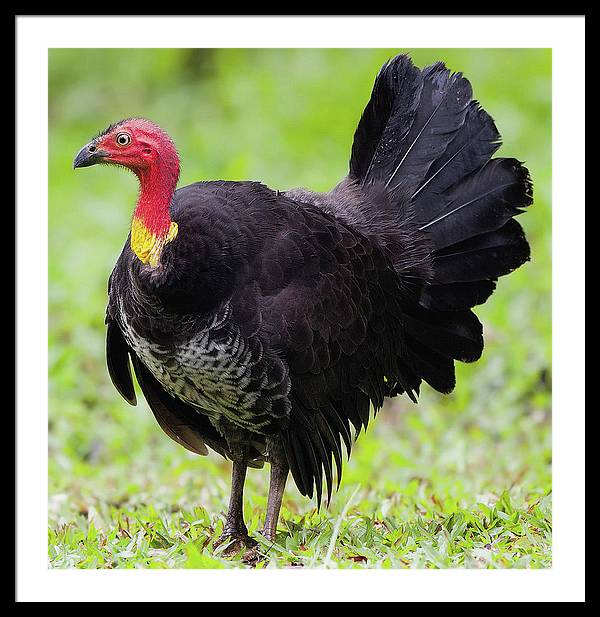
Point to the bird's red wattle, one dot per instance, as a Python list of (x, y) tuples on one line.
[(157, 186)]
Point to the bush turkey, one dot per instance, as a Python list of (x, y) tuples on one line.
[(265, 325)]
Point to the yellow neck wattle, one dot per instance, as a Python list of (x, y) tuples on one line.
[(148, 245)]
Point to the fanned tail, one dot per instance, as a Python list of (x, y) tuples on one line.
[(424, 139)]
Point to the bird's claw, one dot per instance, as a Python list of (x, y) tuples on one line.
[(253, 555), (234, 541)]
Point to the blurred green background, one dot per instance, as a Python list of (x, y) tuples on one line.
[(286, 118)]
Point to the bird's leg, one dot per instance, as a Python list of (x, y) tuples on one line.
[(279, 474), (234, 523), (235, 529)]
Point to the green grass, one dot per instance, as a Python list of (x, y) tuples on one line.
[(456, 481)]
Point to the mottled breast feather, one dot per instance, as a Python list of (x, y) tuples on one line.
[(218, 370)]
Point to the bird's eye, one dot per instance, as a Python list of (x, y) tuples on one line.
[(123, 139)]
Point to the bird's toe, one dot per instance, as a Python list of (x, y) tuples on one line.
[(231, 543)]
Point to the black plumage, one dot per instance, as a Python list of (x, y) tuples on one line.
[(276, 321)]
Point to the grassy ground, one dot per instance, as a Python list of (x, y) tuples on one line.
[(457, 481)]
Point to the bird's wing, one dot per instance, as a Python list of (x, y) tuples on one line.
[(117, 360), (180, 421), (331, 307)]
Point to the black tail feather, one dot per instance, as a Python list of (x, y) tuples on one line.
[(482, 201), (441, 113), (457, 335), (456, 296), (473, 146), (407, 125), (424, 140), (483, 257), (386, 120)]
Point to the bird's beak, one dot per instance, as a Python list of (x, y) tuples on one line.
[(89, 155)]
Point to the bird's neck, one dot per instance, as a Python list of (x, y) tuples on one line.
[(151, 226)]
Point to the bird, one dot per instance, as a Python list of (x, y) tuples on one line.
[(270, 325)]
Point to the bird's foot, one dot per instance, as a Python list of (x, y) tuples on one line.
[(258, 553), (253, 555), (234, 541)]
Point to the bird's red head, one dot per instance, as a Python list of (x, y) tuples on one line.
[(137, 144), (145, 149)]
